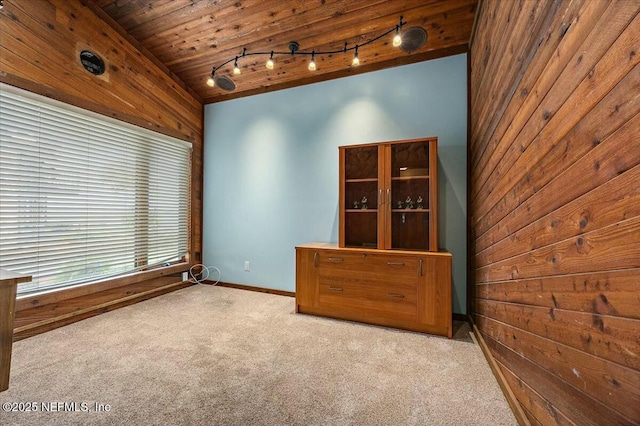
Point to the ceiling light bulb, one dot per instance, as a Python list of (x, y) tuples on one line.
[(210, 82), (355, 61), (236, 70), (270, 62), (397, 40), (312, 64)]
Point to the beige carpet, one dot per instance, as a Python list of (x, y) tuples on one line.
[(214, 355)]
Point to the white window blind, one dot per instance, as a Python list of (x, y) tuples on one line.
[(84, 197)]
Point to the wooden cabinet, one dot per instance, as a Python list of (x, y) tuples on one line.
[(386, 268), (388, 195), (403, 289)]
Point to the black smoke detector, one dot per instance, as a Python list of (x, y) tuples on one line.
[(92, 62)]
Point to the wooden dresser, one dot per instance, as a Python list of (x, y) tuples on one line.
[(396, 288)]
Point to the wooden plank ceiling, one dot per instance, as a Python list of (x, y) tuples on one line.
[(190, 37)]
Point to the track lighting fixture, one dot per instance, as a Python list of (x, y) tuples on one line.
[(294, 49)]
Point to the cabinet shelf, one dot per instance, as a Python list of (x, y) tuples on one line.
[(361, 180), (361, 210), (410, 210), (396, 178)]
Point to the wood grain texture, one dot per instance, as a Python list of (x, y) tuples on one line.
[(410, 290), (554, 214), (546, 39), (609, 382), (614, 247), (41, 41), (596, 168), (565, 399), (44, 318), (8, 287), (521, 416), (518, 51), (556, 115), (614, 293), (536, 407), (611, 338), (550, 40), (576, 79), (190, 38), (253, 288), (31, 301)]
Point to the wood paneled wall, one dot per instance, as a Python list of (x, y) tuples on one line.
[(40, 45), (554, 204)]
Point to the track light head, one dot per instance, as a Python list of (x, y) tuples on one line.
[(397, 40), (270, 62), (312, 64), (211, 82)]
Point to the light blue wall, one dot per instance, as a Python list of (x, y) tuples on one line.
[(271, 164)]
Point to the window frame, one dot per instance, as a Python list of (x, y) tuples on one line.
[(142, 270)]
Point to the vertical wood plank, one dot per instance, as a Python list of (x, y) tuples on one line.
[(7, 305)]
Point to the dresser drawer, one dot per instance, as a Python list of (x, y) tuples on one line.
[(368, 264), (392, 267), (374, 296), (338, 260)]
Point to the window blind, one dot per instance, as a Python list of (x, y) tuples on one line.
[(84, 197)]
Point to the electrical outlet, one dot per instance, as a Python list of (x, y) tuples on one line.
[(247, 266), (185, 276)]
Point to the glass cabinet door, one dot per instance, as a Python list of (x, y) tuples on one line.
[(361, 196), (388, 195), (410, 195)]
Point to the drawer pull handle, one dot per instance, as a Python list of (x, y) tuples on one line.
[(395, 263), (336, 259), (336, 288), (420, 267), (395, 296), (315, 259)]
